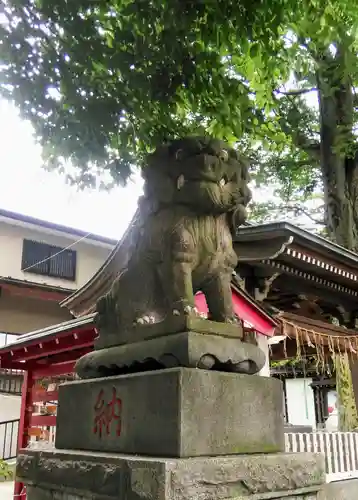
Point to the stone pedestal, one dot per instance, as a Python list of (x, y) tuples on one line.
[(180, 412), (192, 343), (188, 434), (71, 475)]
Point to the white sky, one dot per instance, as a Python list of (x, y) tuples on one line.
[(25, 187)]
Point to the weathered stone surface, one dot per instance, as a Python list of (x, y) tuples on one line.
[(245, 475), (173, 413), (187, 349), (35, 493), (295, 476), (340, 490), (310, 496), (173, 324)]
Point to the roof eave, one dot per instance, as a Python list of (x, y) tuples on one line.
[(276, 229), (48, 332)]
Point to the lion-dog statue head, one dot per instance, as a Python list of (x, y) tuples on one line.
[(201, 173)]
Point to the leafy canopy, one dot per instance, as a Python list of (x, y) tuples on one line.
[(103, 82)]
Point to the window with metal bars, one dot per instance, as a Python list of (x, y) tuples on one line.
[(48, 260)]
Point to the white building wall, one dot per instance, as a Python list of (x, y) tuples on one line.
[(21, 314), (9, 407), (300, 402), (24, 314), (9, 410), (89, 256)]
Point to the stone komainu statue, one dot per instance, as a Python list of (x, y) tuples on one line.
[(195, 195)]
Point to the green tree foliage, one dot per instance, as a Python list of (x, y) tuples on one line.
[(105, 81), (348, 417), (6, 471)]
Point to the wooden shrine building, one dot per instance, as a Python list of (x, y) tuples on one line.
[(311, 285)]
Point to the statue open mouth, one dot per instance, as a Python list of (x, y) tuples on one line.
[(182, 180)]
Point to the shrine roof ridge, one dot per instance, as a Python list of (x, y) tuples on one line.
[(274, 229)]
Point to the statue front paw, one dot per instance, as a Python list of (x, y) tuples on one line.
[(144, 320), (233, 320), (186, 310)]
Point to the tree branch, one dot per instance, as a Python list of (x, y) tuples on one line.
[(313, 148), (300, 210), (301, 141), (298, 92), (288, 207), (287, 162)]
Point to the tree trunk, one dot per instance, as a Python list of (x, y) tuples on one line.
[(338, 156), (339, 164)]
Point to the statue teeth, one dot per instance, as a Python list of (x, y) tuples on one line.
[(180, 181), (224, 155)]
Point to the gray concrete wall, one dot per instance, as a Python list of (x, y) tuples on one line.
[(340, 490)]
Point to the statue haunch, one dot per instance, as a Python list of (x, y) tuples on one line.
[(195, 195)]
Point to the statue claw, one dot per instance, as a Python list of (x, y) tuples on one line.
[(190, 310), (232, 320), (145, 320), (187, 311)]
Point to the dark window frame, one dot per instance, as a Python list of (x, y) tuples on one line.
[(47, 253)]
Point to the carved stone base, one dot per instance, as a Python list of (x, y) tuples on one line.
[(190, 349), (178, 412), (172, 324), (68, 475)]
